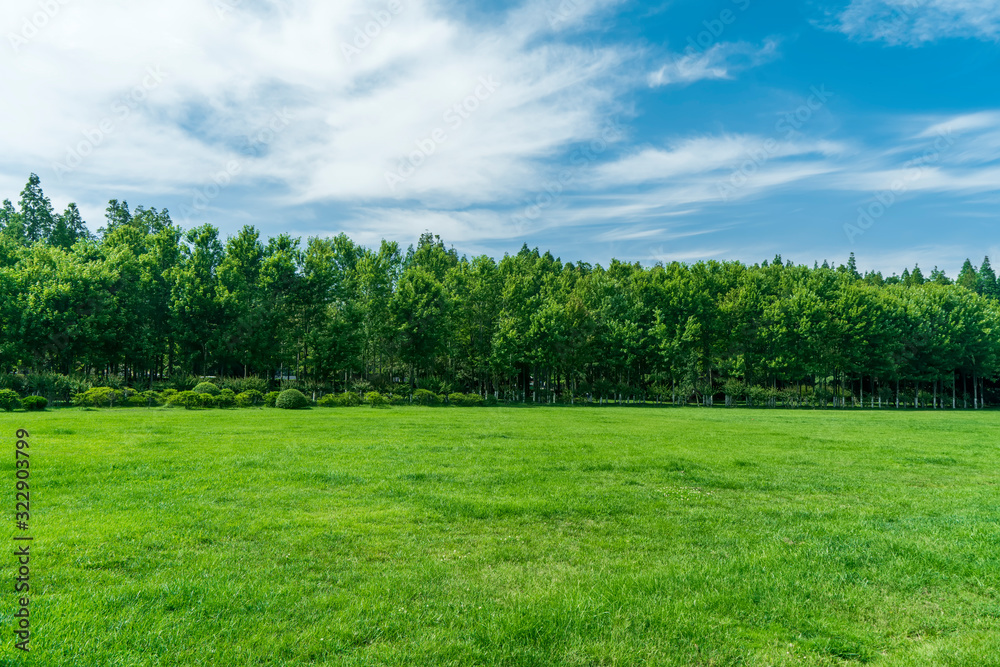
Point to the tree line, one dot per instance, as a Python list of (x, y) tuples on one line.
[(146, 303)]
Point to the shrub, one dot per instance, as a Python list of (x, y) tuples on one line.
[(291, 399), (98, 397), (9, 399), (151, 398), (346, 400), (271, 398), (34, 403), (425, 397), (186, 399), (376, 400), (226, 398), (465, 400), (206, 388), (249, 398)]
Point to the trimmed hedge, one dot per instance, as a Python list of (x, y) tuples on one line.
[(186, 399), (226, 399), (291, 399), (9, 400), (206, 388), (425, 397), (34, 403)]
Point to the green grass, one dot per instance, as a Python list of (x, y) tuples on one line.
[(541, 536)]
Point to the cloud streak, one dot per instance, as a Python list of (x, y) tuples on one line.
[(918, 22), (721, 61)]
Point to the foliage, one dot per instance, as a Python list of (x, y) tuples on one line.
[(249, 398), (347, 399), (153, 306), (425, 397), (226, 399), (376, 400), (98, 397), (465, 400), (34, 403), (9, 400), (291, 399), (271, 398), (187, 399)]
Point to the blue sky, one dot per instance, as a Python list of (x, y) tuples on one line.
[(687, 130)]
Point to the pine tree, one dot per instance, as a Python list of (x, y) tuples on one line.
[(968, 278), (852, 267), (938, 277), (917, 277), (37, 218), (987, 280), (69, 228)]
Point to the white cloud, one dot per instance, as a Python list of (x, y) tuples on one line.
[(359, 105), (706, 155), (916, 22), (719, 62)]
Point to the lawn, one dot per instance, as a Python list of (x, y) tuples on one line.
[(531, 536)]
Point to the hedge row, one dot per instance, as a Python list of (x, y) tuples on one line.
[(207, 395)]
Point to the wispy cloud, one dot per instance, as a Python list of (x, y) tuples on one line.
[(366, 83), (719, 62), (916, 22)]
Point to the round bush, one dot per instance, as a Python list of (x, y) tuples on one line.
[(34, 403), (9, 399), (226, 398), (206, 388), (271, 398), (186, 399), (249, 398), (425, 397), (291, 399)]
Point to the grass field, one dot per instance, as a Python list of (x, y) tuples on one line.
[(535, 536)]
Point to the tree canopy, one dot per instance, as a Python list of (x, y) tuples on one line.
[(145, 299)]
